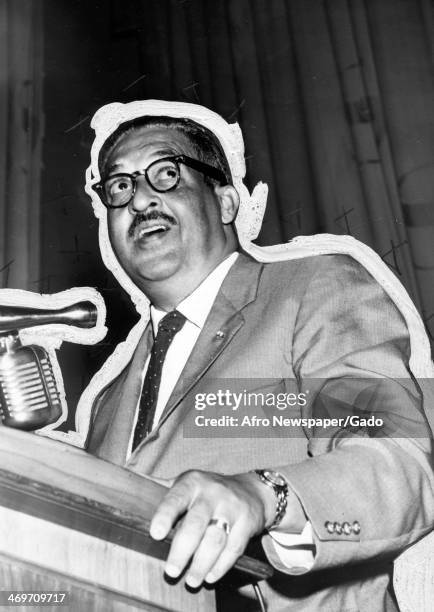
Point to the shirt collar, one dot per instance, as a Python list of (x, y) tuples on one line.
[(196, 306)]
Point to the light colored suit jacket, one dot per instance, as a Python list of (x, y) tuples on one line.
[(320, 321)]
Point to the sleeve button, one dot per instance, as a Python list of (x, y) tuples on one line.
[(346, 528), (356, 527), (338, 528), (329, 526)]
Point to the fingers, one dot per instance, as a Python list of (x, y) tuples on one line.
[(174, 504), (206, 555), (187, 538), (193, 501), (235, 546), (211, 550)]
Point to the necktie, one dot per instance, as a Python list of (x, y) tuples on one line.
[(168, 327)]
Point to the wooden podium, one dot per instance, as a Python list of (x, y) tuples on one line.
[(74, 524)]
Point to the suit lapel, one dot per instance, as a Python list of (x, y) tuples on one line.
[(115, 444), (225, 319)]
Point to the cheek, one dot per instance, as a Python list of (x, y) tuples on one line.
[(117, 229), (198, 216), (194, 230)]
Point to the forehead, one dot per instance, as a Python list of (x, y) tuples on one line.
[(147, 143)]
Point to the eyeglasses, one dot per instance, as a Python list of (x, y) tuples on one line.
[(162, 175)]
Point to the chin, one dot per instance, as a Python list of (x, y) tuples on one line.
[(154, 271), (148, 265)]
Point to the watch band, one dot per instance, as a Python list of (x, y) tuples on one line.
[(278, 483)]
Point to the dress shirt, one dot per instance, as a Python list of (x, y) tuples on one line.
[(195, 308), (294, 550)]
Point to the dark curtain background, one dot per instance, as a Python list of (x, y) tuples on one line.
[(335, 99), (336, 102), (21, 130)]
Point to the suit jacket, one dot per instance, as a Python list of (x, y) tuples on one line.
[(317, 323)]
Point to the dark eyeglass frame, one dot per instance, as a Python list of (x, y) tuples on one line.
[(202, 167)]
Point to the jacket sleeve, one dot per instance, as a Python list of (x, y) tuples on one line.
[(367, 491)]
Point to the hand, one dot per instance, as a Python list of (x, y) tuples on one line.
[(195, 498)]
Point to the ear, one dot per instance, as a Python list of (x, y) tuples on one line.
[(229, 201)]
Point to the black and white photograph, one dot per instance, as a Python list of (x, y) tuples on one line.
[(217, 305)]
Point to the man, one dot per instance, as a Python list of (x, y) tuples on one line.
[(167, 191)]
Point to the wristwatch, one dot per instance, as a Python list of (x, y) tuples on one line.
[(278, 483)]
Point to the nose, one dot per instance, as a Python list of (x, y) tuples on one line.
[(144, 197)]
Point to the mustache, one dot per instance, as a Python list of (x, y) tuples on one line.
[(154, 215)]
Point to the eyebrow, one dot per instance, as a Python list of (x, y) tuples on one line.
[(161, 152)]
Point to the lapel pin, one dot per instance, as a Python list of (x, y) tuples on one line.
[(220, 334)]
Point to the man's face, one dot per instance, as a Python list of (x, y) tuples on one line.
[(178, 234)]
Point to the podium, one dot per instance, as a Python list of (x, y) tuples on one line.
[(76, 525)]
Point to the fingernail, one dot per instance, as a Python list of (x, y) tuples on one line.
[(193, 581), (210, 577), (172, 570), (156, 532)]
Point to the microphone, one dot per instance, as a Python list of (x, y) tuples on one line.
[(29, 398), (82, 314)]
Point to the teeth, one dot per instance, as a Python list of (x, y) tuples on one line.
[(152, 228)]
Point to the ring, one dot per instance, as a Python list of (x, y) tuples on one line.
[(220, 524)]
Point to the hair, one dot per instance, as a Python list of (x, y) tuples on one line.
[(204, 143)]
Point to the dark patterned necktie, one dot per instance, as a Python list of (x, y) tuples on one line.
[(168, 327)]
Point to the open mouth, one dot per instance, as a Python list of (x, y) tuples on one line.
[(151, 226), (152, 230)]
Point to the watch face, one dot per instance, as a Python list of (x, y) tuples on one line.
[(276, 478)]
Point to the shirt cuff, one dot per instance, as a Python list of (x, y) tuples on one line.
[(295, 550)]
